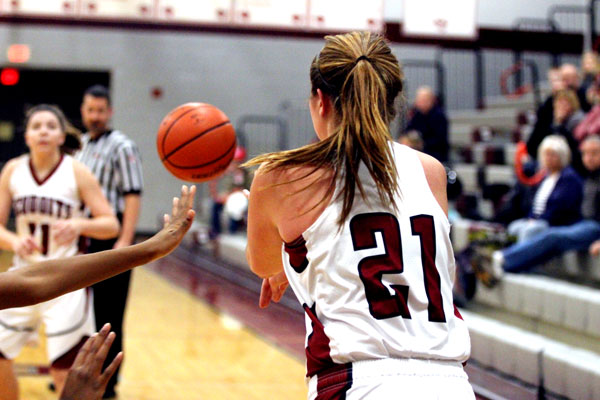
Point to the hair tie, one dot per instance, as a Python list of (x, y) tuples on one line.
[(363, 57)]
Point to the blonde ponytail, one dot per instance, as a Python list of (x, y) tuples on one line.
[(362, 77)]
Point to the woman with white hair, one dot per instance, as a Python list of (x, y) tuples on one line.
[(557, 200)]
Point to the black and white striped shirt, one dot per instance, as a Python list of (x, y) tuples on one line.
[(115, 160)]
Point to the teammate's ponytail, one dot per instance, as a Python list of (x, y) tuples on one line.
[(362, 78)]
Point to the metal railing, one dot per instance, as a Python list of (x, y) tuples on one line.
[(262, 133)]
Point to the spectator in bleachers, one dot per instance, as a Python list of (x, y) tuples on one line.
[(557, 200), (582, 235), (545, 113), (591, 123), (567, 115), (589, 69), (429, 119), (572, 80)]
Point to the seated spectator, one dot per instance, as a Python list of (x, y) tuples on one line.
[(428, 118), (557, 199), (582, 235), (572, 80)]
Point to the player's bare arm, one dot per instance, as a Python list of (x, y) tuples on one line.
[(436, 178), (48, 279), (10, 240), (104, 223), (263, 251)]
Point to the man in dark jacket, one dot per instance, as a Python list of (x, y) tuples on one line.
[(429, 119)]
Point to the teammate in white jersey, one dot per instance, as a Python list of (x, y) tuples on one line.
[(357, 226), (46, 188), (51, 278)]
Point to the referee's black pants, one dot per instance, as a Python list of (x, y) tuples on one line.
[(110, 298)]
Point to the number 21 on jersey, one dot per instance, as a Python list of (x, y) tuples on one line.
[(383, 304)]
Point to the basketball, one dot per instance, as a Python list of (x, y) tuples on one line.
[(196, 142)]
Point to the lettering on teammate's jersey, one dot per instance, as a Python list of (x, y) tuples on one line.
[(42, 205)]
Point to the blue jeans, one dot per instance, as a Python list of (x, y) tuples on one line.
[(552, 242), (526, 228)]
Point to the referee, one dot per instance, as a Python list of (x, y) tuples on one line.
[(115, 161)]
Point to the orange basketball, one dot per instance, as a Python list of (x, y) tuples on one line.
[(196, 142)]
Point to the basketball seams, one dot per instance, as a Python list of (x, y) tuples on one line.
[(226, 153), (164, 138), (199, 135), (207, 138)]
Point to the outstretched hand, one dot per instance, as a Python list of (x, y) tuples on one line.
[(86, 380), (177, 224)]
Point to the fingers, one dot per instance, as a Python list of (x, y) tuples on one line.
[(265, 294), (64, 232), (102, 352), (26, 246), (182, 206), (166, 220), (187, 197), (278, 293), (84, 351), (175, 206), (191, 196), (91, 345), (111, 369)]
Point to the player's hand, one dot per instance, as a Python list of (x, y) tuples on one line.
[(25, 246), (65, 231), (86, 380), (178, 223), (273, 289), (595, 248)]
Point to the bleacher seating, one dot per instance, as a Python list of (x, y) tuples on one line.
[(534, 359)]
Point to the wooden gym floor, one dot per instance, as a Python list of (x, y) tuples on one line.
[(194, 331), (180, 346)]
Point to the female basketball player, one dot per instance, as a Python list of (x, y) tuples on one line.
[(361, 225), (46, 189), (51, 278)]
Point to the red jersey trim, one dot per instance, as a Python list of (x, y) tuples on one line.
[(39, 181)]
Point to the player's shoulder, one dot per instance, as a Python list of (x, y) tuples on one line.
[(11, 164), (435, 172), (7, 173), (80, 169)]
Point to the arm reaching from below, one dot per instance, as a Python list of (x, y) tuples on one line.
[(52, 278)]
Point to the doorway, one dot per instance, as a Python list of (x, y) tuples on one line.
[(63, 88)]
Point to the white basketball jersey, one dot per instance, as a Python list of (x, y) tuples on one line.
[(381, 287), (38, 204)]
